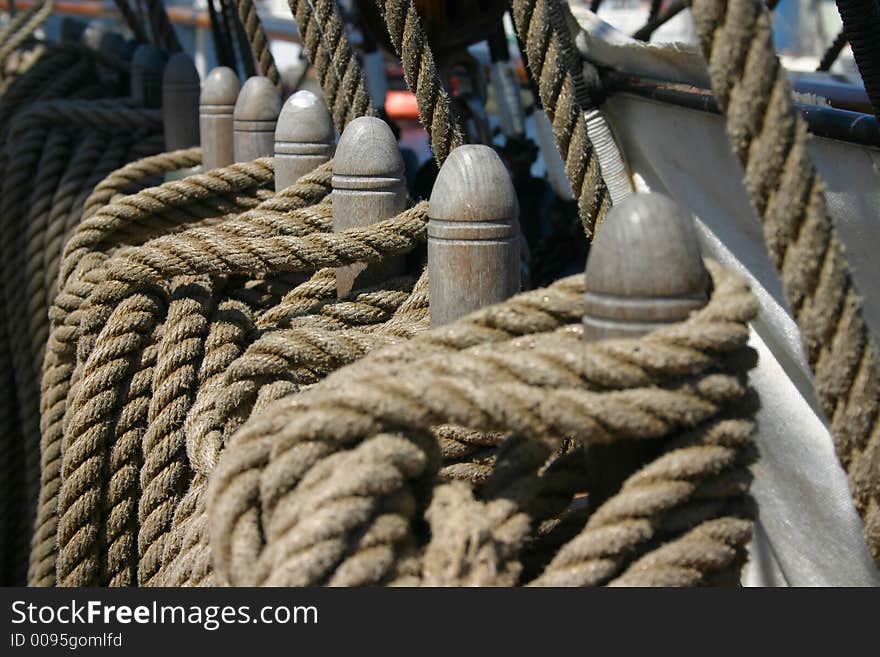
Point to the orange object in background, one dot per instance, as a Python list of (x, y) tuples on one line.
[(401, 105)]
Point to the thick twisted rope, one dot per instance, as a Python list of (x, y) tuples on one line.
[(14, 41), (152, 211), (247, 11), (44, 221), (234, 183), (81, 509), (286, 213), (186, 557), (474, 543), (440, 390), (692, 560), (330, 52), (435, 108), (165, 472), (770, 140), (678, 489), (133, 173), (545, 54)]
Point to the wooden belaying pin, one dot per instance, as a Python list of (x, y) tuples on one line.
[(645, 270), (180, 103), (254, 119), (304, 138), (368, 186), (216, 107), (473, 235), (147, 65)]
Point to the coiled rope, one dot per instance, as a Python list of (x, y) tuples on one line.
[(292, 443), (212, 414), (54, 152)]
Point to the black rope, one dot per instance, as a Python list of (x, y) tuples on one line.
[(861, 23), (222, 41), (233, 24), (833, 51), (672, 10)]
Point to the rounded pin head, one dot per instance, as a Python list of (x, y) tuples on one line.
[(258, 100), (645, 268), (221, 87), (474, 186), (305, 119), (180, 71), (367, 148)]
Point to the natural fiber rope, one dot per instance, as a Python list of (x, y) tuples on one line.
[(330, 52), (247, 11), (122, 220), (133, 173), (14, 41), (770, 139), (435, 108), (51, 168), (655, 501), (544, 54), (180, 317), (383, 400)]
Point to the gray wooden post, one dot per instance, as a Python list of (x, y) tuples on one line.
[(368, 186), (254, 119), (473, 235), (216, 106), (304, 138), (645, 270), (147, 65), (180, 103)]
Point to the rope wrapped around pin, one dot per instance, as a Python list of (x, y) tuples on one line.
[(285, 469)]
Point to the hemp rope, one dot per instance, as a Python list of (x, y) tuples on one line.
[(315, 184), (41, 157), (330, 52), (436, 113), (546, 61), (129, 477), (770, 140), (360, 409), (12, 42), (250, 19), (82, 252)]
